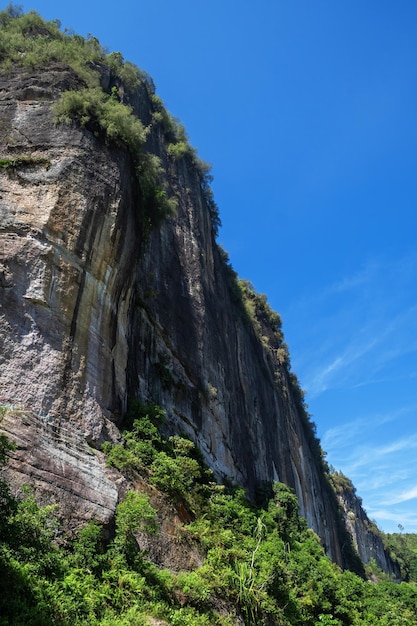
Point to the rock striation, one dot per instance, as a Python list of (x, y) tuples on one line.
[(93, 312), (366, 540), (60, 467)]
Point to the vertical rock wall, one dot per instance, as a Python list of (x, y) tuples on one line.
[(366, 540), (91, 313), (66, 250)]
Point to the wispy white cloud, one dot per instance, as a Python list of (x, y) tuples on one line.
[(389, 520), (385, 473), (370, 456), (341, 436), (366, 322), (356, 356), (382, 478), (410, 494), (388, 378), (318, 383), (361, 278), (372, 348), (335, 373)]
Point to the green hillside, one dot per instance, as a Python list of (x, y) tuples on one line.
[(244, 564)]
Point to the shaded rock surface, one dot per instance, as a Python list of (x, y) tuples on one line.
[(366, 541), (92, 314)]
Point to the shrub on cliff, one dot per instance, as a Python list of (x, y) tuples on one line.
[(26, 40), (104, 115), (169, 464), (29, 41)]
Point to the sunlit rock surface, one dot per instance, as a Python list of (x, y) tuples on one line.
[(92, 314), (56, 461)]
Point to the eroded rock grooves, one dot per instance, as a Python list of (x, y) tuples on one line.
[(92, 314)]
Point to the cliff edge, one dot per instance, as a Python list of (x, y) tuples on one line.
[(99, 306)]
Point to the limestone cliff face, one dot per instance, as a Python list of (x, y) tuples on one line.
[(61, 468), (92, 313), (366, 541)]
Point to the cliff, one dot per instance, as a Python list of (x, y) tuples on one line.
[(96, 308), (366, 539)]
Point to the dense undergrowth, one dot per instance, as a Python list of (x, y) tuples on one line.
[(403, 547), (260, 564)]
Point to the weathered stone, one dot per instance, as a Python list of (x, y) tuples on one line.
[(56, 461), (366, 541), (91, 314)]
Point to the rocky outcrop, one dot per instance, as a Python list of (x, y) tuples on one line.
[(60, 467), (366, 539), (93, 313)]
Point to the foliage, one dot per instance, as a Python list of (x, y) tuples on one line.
[(128, 73), (268, 327), (266, 322), (23, 160), (341, 483), (7, 503), (169, 464), (28, 40), (104, 115), (231, 277), (205, 181), (178, 148), (134, 515), (5, 444), (402, 548), (261, 563)]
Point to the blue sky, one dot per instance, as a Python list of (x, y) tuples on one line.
[(307, 111)]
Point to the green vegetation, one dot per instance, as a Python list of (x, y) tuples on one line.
[(172, 465), (26, 40), (179, 148), (266, 324), (23, 160), (104, 115), (268, 327), (402, 548), (29, 41), (260, 563), (3, 411), (341, 483)]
